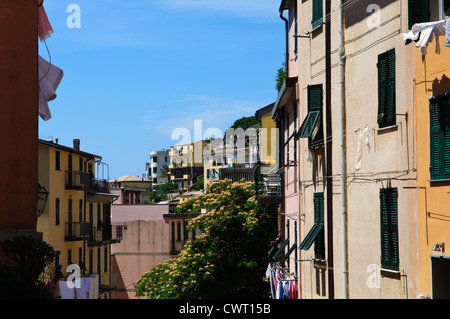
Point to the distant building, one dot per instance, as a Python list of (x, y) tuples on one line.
[(186, 163), (130, 189), (153, 169)]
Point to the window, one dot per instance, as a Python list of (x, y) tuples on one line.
[(80, 212), (69, 256), (316, 233), (440, 138), (99, 260), (57, 204), (165, 159), (312, 127), (418, 11), (155, 159), (386, 89), (178, 230), (155, 180), (91, 261), (105, 259), (317, 13), (155, 170), (389, 228), (57, 160)]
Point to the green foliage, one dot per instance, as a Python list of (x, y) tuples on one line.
[(280, 77), (199, 184), (27, 260), (245, 122), (228, 259), (159, 192)]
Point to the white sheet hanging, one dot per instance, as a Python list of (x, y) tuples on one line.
[(423, 33), (49, 79)]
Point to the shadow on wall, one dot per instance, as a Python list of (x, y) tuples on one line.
[(441, 86)]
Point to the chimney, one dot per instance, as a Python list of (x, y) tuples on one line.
[(76, 144)]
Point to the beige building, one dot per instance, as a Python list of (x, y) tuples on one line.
[(186, 163), (355, 146)]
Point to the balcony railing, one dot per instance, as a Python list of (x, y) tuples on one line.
[(77, 231), (78, 179), (267, 186), (84, 180)]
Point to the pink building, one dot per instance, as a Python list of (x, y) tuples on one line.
[(145, 243)]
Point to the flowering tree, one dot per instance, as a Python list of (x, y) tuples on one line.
[(228, 259)]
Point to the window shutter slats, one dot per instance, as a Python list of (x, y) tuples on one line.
[(440, 138), (389, 228), (386, 89), (418, 12)]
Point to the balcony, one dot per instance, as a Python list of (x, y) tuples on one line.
[(84, 180), (268, 187), (78, 180), (77, 231)]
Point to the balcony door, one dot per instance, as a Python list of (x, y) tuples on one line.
[(69, 177)]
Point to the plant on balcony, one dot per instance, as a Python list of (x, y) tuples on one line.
[(228, 259), (29, 268)]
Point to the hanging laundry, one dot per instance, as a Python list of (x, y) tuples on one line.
[(44, 26), (447, 33), (423, 33), (66, 291), (49, 79), (93, 286), (359, 152), (366, 140), (81, 291)]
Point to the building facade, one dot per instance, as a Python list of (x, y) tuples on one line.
[(432, 123), (186, 163), (76, 221), (158, 159), (348, 148)]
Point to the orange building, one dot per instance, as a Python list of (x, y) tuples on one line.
[(432, 94)]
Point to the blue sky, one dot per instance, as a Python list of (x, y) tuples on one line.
[(136, 70)]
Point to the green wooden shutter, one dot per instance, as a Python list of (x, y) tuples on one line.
[(386, 89), (389, 228), (435, 142), (440, 138), (418, 12), (390, 105), (444, 104), (317, 13), (319, 243)]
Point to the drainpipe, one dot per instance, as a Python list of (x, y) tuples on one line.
[(286, 23), (343, 155), (329, 153)]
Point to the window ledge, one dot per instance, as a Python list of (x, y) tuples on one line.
[(444, 180), (387, 129), (390, 273)]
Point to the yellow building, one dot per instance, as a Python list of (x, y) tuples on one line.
[(186, 163), (76, 220), (432, 93)]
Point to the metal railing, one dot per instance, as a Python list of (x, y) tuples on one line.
[(267, 184), (77, 231), (78, 179)]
